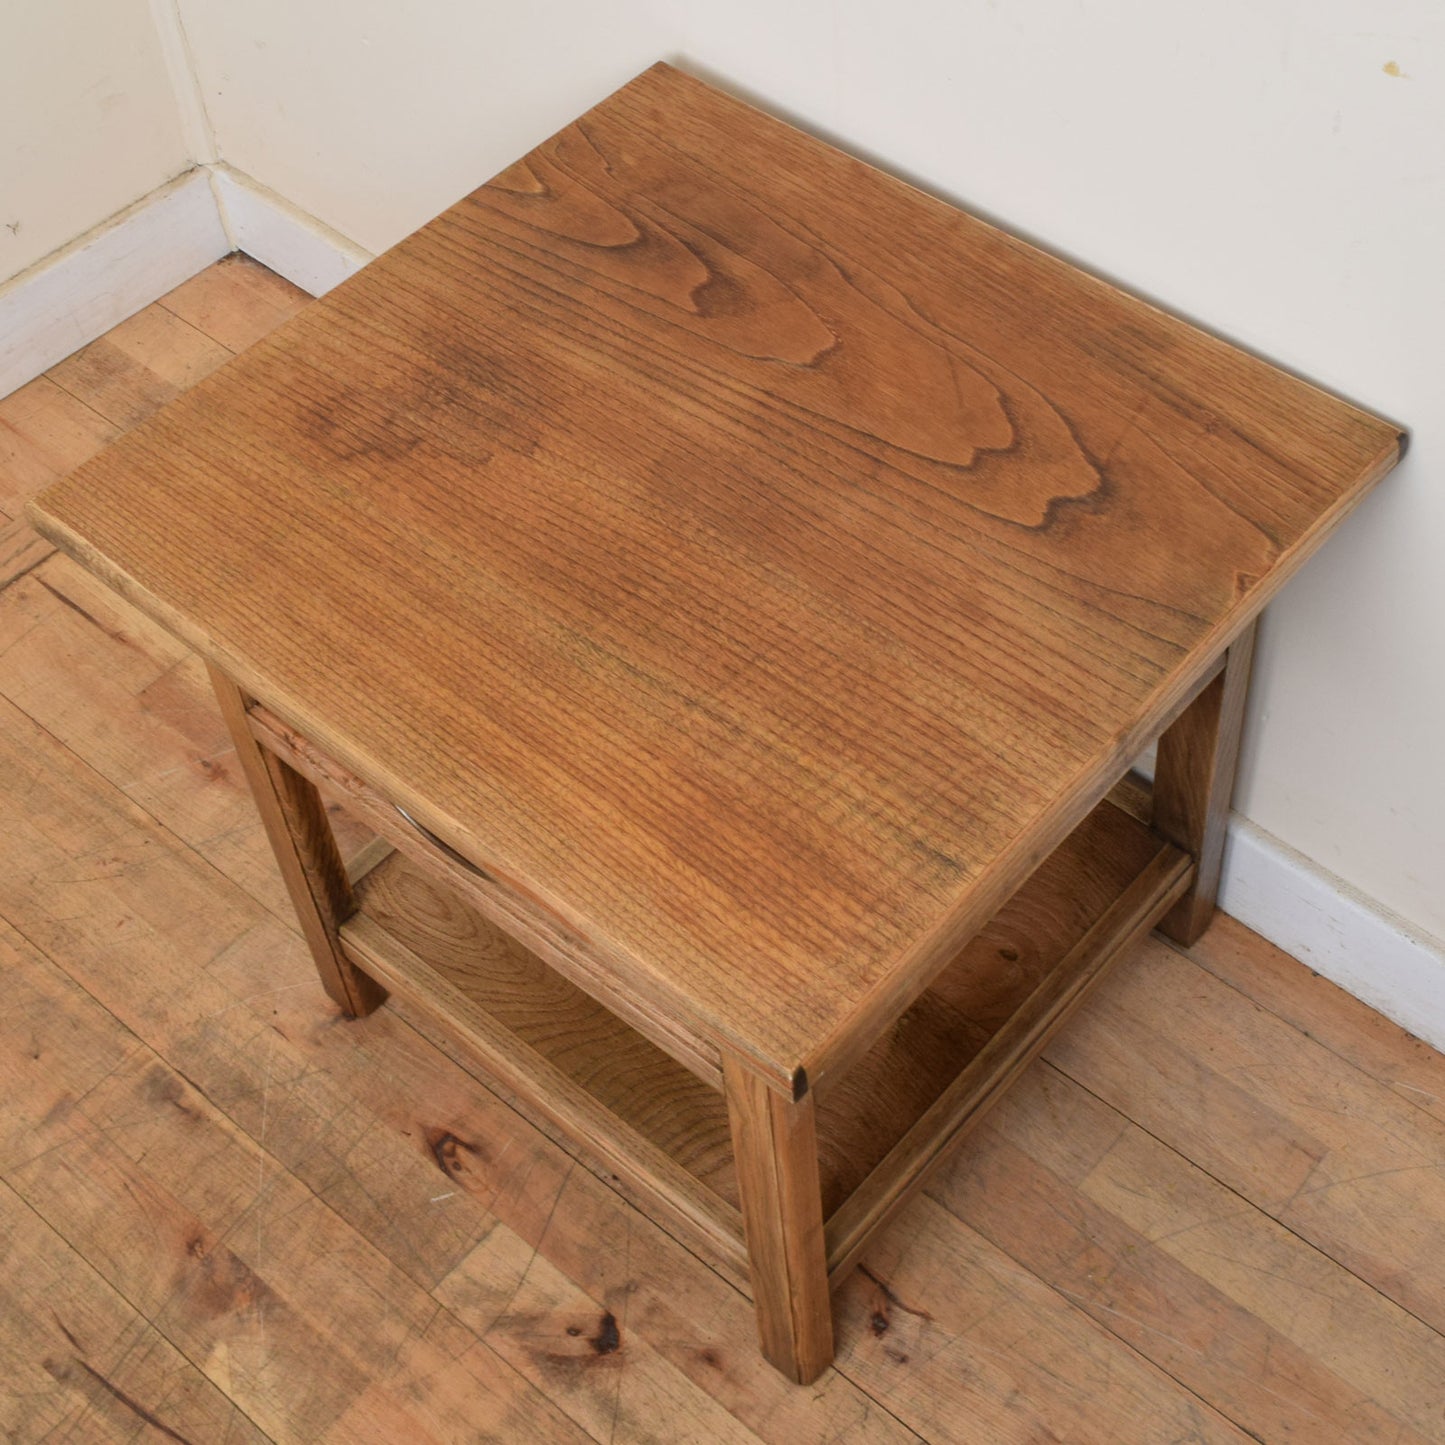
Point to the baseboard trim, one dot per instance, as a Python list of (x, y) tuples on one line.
[(1321, 920), (268, 228), (78, 293)]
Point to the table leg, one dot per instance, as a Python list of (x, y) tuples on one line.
[(305, 848), (775, 1147), (1193, 781)]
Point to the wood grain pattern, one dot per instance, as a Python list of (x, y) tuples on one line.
[(1194, 781), (775, 1150), (311, 864), (654, 1292), (1280, 1282), (770, 675)]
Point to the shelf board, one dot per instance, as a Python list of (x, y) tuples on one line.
[(664, 1130)]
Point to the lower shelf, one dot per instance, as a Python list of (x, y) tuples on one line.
[(664, 1130)]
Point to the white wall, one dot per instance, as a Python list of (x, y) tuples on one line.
[(88, 122), (1272, 167)]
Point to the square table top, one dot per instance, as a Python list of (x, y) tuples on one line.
[(753, 561)]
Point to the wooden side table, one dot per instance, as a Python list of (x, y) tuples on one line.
[(734, 585)]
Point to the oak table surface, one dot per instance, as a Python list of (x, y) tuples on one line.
[(753, 563)]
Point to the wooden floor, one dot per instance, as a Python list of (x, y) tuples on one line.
[(1214, 1212)]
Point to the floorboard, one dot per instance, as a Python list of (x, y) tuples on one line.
[(1214, 1212)]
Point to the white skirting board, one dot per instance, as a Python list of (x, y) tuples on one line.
[(65, 301), (292, 243), (82, 291), (1320, 920)]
